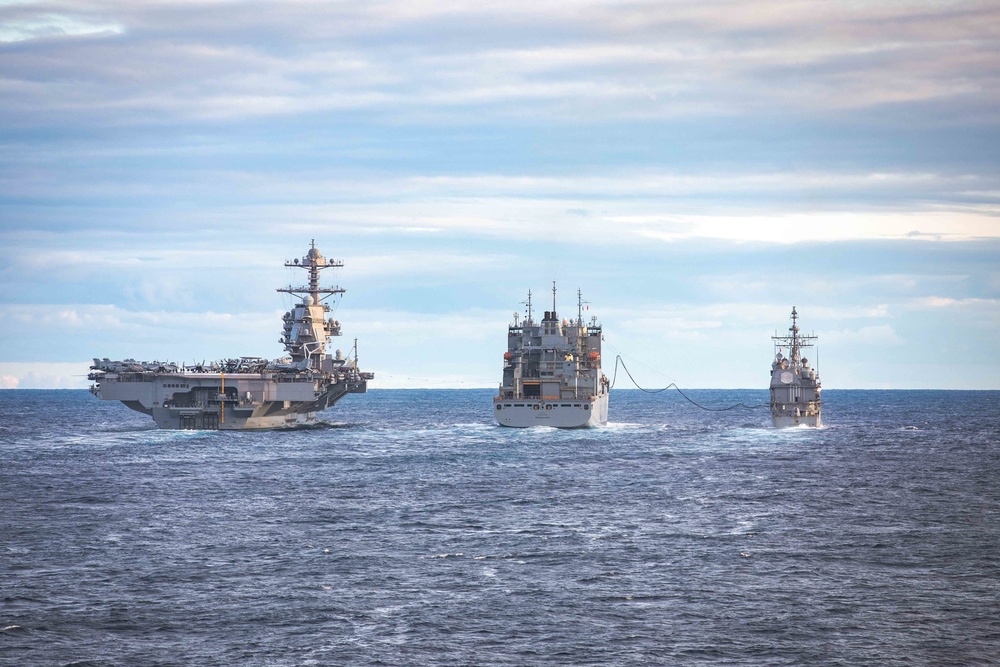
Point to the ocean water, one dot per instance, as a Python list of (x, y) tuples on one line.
[(410, 530)]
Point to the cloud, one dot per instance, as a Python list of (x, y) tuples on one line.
[(613, 184), (419, 265), (731, 321), (427, 328), (98, 330), (105, 317), (949, 302), (210, 60), (44, 375), (822, 226), (879, 334), (641, 206), (24, 317), (51, 25)]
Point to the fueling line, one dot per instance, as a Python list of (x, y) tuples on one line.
[(673, 385)]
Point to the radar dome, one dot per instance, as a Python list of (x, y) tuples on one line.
[(316, 257)]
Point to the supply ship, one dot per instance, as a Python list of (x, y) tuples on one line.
[(795, 385), (248, 392), (552, 372)]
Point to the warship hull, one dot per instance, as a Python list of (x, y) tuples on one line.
[(214, 401), (571, 413), (788, 421)]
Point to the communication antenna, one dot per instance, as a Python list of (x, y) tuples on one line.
[(579, 307)]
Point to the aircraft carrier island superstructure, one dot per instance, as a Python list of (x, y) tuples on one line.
[(248, 392), (552, 372), (795, 385)]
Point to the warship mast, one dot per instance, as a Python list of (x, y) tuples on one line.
[(307, 331), (794, 340)]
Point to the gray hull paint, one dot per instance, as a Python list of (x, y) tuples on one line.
[(198, 401), (785, 421), (556, 414), (235, 402)]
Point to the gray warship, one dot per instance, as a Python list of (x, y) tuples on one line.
[(795, 385), (552, 372), (248, 392)]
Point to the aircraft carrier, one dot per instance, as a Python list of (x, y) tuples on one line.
[(247, 392)]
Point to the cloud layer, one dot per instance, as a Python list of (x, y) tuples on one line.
[(697, 168), (212, 60)]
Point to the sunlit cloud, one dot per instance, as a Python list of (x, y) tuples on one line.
[(51, 25), (212, 60), (879, 334), (642, 206), (936, 302), (828, 227), (106, 317), (44, 375)]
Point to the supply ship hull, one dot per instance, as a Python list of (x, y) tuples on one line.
[(552, 373), (557, 414), (248, 392)]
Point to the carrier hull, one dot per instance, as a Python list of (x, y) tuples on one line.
[(214, 401)]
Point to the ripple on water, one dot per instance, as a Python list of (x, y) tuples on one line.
[(408, 528)]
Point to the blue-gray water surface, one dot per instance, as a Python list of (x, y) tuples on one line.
[(410, 530)]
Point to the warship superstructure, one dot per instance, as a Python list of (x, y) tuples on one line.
[(552, 372), (795, 385), (248, 392)]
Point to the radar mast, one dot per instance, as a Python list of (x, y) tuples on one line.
[(307, 331), (794, 340), (313, 262)]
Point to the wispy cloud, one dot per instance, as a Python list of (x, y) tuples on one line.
[(826, 226), (879, 334), (20, 25), (978, 304), (44, 375), (778, 207), (566, 59)]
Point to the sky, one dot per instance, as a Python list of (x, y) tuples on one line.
[(694, 168)]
